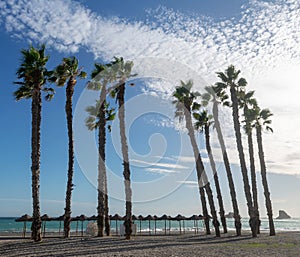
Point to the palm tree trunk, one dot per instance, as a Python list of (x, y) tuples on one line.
[(253, 177), (216, 178), (264, 181), (210, 198), (36, 108), (126, 172), (101, 163), (237, 217), (69, 114), (200, 168), (106, 207), (204, 209), (237, 129)]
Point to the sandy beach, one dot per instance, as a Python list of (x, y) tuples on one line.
[(283, 244)]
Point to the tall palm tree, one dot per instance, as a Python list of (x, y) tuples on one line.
[(101, 76), (123, 72), (94, 122), (202, 124), (184, 106), (216, 99), (67, 72), (230, 80), (263, 120), (247, 102), (33, 73)]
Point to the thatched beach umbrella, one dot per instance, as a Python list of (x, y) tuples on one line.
[(155, 218), (183, 224), (24, 219), (44, 219), (140, 217), (202, 218), (149, 218), (94, 217), (60, 219), (82, 218), (165, 218), (179, 218), (170, 222), (116, 217), (134, 218), (195, 218), (75, 219)]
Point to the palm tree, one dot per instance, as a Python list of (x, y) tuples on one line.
[(101, 76), (247, 102), (230, 80), (94, 121), (216, 100), (184, 105), (263, 120), (67, 72), (123, 70), (34, 74), (203, 123)]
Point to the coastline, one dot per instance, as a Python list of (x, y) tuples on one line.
[(189, 244)]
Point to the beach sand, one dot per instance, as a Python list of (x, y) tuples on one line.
[(283, 244)]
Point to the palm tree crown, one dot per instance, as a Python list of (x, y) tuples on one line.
[(93, 120), (66, 70), (33, 71)]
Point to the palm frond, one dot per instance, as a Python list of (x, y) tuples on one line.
[(242, 82), (222, 76), (196, 106), (90, 122), (269, 129), (23, 92)]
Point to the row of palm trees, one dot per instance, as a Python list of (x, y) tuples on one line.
[(230, 92), (111, 79)]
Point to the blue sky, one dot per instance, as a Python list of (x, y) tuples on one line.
[(168, 41)]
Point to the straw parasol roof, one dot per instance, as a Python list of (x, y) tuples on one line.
[(179, 217), (149, 217), (59, 218), (194, 217), (140, 217), (201, 217), (82, 217), (24, 218), (45, 217), (164, 217), (134, 217), (94, 217), (116, 217)]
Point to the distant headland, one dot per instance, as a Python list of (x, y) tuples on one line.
[(283, 215)]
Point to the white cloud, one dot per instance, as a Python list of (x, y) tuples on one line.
[(160, 170), (264, 42), (189, 183), (157, 164)]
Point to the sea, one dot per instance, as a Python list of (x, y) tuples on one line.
[(9, 225)]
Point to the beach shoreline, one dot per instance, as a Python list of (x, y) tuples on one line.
[(189, 244)]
